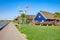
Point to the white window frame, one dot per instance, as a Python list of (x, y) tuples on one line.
[(36, 20), (42, 20), (39, 16)]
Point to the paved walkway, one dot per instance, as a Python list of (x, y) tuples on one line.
[(11, 33)]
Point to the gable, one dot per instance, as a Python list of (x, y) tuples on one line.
[(39, 18)]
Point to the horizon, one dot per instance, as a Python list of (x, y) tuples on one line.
[(9, 8)]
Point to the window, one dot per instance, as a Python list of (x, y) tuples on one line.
[(39, 16), (36, 20), (42, 20)]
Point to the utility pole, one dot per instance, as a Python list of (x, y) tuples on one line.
[(26, 11), (20, 12)]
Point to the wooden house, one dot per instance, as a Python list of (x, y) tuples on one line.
[(28, 19), (44, 18)]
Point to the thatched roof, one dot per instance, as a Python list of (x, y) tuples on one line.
[(30, 16), (48, 15), (27, 17)]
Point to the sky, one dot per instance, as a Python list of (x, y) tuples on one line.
[(9, 8)]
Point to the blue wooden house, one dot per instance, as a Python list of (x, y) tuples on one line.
[(44, 16), (40, 18)]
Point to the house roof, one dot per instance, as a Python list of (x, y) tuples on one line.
[(30, 16), (27, 17), (17, 18), (48, 15)]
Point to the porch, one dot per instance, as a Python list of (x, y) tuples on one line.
[(49, 22)]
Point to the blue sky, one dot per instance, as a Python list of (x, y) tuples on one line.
[(9, 8)]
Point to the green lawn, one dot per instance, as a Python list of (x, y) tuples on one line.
[(36, 32)]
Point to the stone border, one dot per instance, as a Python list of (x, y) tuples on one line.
[(3, 26)]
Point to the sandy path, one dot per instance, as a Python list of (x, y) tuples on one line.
[(10, 33)]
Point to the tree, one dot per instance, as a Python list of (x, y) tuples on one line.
[(23, 17), (57, 14)]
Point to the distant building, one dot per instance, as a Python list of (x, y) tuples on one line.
[(28, 18)]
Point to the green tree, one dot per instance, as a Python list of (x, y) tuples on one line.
[(23, 17), (57, 14)]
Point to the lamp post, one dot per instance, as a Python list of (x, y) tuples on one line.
[(26, 11), (20, 12)]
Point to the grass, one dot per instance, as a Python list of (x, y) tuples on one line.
[(36, 32)]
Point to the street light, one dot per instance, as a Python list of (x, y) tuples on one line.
[(26, 11)]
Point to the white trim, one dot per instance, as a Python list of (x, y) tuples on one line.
[(42, 15)]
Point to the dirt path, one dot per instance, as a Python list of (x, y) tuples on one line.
[(11, 33)]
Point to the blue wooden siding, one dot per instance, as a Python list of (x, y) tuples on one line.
[(39, 19)]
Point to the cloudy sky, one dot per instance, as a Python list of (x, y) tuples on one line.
[(9, 8)]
